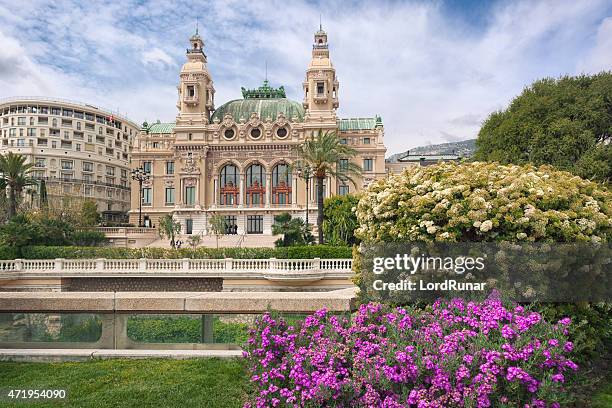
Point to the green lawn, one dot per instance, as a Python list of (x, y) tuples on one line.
[(603, 396), (132, 383)]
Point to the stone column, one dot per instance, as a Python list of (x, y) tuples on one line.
[(207, 329), (215, 200), (268, 189), (241, 198), (294, 184)]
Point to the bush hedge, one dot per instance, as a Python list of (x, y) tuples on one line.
[(485, 202), (74, 252)]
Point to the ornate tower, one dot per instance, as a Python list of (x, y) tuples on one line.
[(321, 85), (196, 93)]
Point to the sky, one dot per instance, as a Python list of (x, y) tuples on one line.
[(434, 70)]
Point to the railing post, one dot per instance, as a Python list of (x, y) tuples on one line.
[(100, 265), (18, 265), (59, 264), (316, 264), (185, 264), (228, 264), (273, 265), (142, 264)]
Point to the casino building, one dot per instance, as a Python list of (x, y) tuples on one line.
[(235, 160)]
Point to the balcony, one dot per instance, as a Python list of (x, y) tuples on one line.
[(191, 99)]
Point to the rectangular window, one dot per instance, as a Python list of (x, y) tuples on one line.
[(190, 195), (147, 167), (343, 141), (31, 132), (188, 226), (110, 171), (190, 91), (343, 164), (230, 224), (366, 140), (254, 224), (88, 166), (67, 165), (170, 167), (40, 162), (169, 195), (343, 189), (88, 190), (147, 196), (367, 164), (20, 142), (320, 88), (87, 178), (21, 121)]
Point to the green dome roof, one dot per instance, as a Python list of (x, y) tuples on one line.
[(266, 101), (265, 108)]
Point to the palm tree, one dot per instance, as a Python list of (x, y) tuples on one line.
[(322, 154), (15, 173)]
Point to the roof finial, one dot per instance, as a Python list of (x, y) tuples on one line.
[(320, 22), (266, 71), (197, 24)]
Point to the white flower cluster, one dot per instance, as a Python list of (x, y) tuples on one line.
[(485, 202)]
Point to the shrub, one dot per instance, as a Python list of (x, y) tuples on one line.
[(340, 220), (453, 354), (75, 252), (485, 202), (183, 329), (88, 238)]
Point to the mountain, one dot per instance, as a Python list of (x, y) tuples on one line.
[(465, 148)]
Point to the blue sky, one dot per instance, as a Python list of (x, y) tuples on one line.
[(433, 70)]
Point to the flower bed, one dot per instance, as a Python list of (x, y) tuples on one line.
[(452, 354)]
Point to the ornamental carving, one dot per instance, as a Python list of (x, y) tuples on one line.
[(228, 120), (254, 120), (191, 182)]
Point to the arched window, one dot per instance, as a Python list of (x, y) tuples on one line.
[(255, 185), (281, 184), (229, 186)]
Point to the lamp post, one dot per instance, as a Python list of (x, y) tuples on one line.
[(305, 172), (140, 176)]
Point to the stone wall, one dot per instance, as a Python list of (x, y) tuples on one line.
[(142, 284)]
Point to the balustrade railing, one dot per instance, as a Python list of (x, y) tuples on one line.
[(184, 265)]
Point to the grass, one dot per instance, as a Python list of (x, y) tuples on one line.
[(155, 383)]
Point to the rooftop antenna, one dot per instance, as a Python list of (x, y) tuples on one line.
[(197, 24), (320, 22), (266, 70)]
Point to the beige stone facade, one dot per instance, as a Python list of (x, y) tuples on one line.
[(81, 151), (236, 160)]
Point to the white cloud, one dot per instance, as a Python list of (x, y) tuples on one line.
[(157, 56), (599, 57), (431, 75)]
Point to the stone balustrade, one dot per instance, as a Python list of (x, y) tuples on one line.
[(278, 270)]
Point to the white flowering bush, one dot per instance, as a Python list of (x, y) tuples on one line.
[(482, 201)]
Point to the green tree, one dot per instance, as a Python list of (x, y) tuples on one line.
[(294, 230), (43, 199), (169, 228), (340, 219), (565, 122), (323, 154), (89, 214), (218, 226), (194, 240), (15, 172)]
